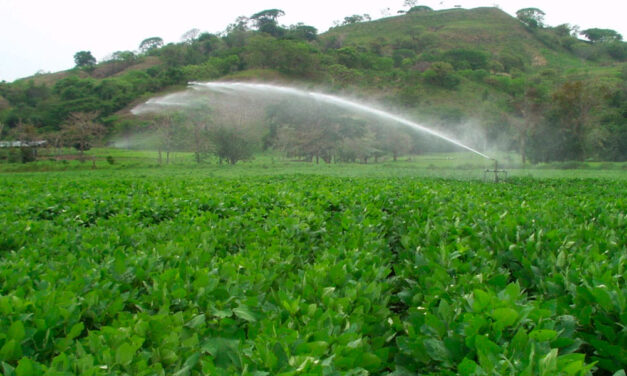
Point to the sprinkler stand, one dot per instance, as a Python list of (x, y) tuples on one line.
[(499, 174)]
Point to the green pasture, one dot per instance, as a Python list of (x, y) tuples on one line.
[(465, 166)]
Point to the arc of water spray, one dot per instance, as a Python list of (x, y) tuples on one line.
[(331, 99)]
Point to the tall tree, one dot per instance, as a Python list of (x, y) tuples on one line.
[(356, 18), (302, 32), (190, 35), (26, 134), (305, 130), (55, 140), (266, 21), (81, 130), (231, 144), (163, 124), (596, 35), (572, 112), (199, 124), (150, 44), (237, 32), (84, 59), (531, 107), (532, 17)]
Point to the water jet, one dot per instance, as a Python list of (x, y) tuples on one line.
[(226, 87), (202, 94)]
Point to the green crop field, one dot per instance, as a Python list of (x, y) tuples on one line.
[(321, 270)]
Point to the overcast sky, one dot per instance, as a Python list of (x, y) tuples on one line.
[(43, 35)]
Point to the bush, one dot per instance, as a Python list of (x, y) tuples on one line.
[(14, 156), (28, 154), (476, 75), (441, 74), (466, 58), (617, 50), (200, 72), (402, 54), (511, 62)]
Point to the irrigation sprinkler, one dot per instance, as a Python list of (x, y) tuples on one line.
[(499, 174)]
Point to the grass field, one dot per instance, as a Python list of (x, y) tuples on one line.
[(274, 267), (465, 166)]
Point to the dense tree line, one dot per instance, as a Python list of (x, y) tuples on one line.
[(546, 116)]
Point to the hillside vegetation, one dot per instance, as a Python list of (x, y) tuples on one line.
[(526, 87)]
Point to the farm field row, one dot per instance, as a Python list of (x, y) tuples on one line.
[(111, 272)]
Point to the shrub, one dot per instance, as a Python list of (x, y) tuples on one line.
[(441, 74), (466, 58)]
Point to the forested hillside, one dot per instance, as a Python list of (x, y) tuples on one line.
[(528, 87)]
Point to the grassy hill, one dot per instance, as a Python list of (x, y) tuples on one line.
[(487, 29), (450, 69)]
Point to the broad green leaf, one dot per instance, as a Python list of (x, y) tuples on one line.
[(189, 363), (222, 313), (7, 369), (11, 350), (482, 300), (488, 352), (26, 367), (436, 349), (468, 367), (124, 354), (196, 322), (369, 361), (243, 312), (505, 317), (603, 298), (315, 348), (76, 330), (16, 331), (511, 293), (542, 335), (548, 364)]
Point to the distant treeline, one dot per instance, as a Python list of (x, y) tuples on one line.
[(544, 113)]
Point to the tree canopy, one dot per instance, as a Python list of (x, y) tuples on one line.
[(596, 35), (151, 43), (266, 21), (84, 59), (532, 17)]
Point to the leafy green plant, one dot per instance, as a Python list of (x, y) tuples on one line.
[(180, 273)]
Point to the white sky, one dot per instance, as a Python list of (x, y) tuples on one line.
[(44, 34)]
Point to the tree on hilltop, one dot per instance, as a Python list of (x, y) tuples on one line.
[(532, 17), (266, 21), (190, 35), (150, 44), (84, 59), (596, 35), (356, 18), (419, 8)]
